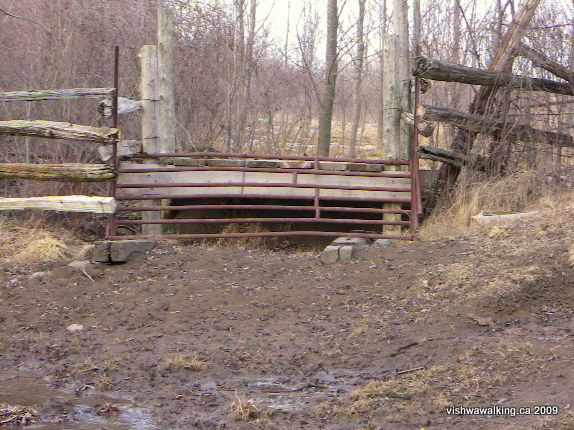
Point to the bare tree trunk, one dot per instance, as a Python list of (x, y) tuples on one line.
[(329, 86), (247, 68), (383, 31), (357, 96)]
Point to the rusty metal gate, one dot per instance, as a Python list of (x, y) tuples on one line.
[(317, 191)]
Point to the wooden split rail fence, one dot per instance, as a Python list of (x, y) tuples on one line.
[(72, 172)]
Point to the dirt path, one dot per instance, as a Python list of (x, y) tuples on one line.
[(212, 338)]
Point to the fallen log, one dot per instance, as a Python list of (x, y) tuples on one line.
[(438, 70), (60, 130), (70, 93), (493, 126), (476, 162), (72, 172), (486, 218), (103, 205)]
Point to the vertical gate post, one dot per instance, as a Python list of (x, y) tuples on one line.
[(396, 134), (149, 89)]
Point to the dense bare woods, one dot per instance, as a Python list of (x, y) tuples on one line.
[(242, 86)]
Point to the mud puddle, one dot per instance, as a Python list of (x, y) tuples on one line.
[(282, 395), (58, 409)]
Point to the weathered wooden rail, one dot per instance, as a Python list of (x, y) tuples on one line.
[(62, 94), (70, 172)]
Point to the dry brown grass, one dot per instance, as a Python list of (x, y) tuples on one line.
[(31, 244), (249, 410), (473, 378), (565, 421), (515, 193), (186, 362), (249, 242)]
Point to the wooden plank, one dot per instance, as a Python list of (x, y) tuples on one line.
[(70, 172), (102, 205), (61, 94), (60, 130), (214, 176)]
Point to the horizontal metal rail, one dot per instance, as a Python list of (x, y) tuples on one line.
[(260, 196), (264, 207), (271, 234), (262, 221)]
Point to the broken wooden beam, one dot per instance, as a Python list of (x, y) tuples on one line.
[(444, 71), (72, 172), (125, 106), (70, 93), (541, 60), (103, 205), (425, 128), (126, 148), (476, 162), (493, 126), (60, 130)]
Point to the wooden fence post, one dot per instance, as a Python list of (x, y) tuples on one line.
[(396, 132), (149, 89)]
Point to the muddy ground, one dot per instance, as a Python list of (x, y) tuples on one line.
[(215, 337)]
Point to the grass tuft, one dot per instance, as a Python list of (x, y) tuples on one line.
[(186, 362)]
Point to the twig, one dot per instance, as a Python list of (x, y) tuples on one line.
[(22, 17), (415, 369)]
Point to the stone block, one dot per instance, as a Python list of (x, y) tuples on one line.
[(353, 241), (124, 250), (330, 255), (346, 252), (101, 251), (383, 242)]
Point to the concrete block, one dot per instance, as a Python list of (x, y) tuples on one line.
[(124, 250), (330, 255), (270, 164), (101, 251), (332, 165), (383, 242), (190, 162), (353, 241), (346, 252), (296, 164)]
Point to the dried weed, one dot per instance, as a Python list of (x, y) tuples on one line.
[(473, 378), (187, 362)]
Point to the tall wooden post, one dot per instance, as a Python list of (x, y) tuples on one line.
[(165, 70), (396, 134), (149, 90)]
